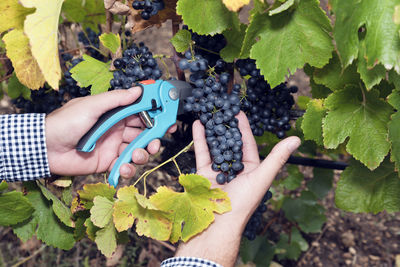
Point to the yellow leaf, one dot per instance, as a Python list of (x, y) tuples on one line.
[(235, 5), (12, 15), (41, 28), (25, 66)]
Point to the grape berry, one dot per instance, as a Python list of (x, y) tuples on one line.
[(149, 7)]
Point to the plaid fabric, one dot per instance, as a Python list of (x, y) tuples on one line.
[(23, 153), (188, 262)]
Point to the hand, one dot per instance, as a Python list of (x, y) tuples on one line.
[(66, 126), (220, 242)]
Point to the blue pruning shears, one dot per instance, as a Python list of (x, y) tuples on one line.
[(158, 106)]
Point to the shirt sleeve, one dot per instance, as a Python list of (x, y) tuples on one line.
[(23, 152), (188, 262)]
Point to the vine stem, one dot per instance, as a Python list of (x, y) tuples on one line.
[(5, 77), (148, 172), (29, 257)]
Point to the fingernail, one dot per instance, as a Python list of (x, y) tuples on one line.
[(293, 144), (124, 170)]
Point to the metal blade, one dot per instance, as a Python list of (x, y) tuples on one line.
[(185, 90)]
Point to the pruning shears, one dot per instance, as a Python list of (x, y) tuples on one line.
[(158, 106)]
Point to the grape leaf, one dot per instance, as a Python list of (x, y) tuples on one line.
[(181, 40), (106, 239), (291, 248), (101, 212), (394, 138), (259, 251), (234, 38), (16, 89), (92, 72), (285, 6), (291, 39), (80, 229), (235, 5), (41, 28), (394, 78), (12, 15), (44, 222), (258, 24), (381, 37), (334, 76), (90, 191), (88, 13), (362, 117), (321, 183), (302, 101), (305, 211), (370, 75), (91, 229), (60, 210), (191, 211), (14, 208), (312, 121), (294, 178), (219, 18), (394, 99), (132, 206), (362, 190), (25, 66), (111, 41), (3, 185)]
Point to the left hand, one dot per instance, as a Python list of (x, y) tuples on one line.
[(66, 126)]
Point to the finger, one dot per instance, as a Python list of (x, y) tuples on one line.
[(269, 168), (122, 148), (172, 129), (140, 156), (134, 121), (200, 146), (130, 134), (154, 146), (250, 151), (101, 103), (127, 171)]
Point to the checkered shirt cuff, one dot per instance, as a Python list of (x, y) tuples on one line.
[(188, 262), (23, 152)]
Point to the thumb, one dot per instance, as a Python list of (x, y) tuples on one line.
[(269, 168), (106, 101)]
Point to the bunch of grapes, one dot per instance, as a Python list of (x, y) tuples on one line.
[(90, 39), (266, 109), (149, 7), (254, 225), (216, 110), (137, 64)]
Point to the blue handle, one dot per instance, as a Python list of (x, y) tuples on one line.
[(163, 119)]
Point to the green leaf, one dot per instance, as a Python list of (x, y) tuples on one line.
[(111, 41), (370, 75), (234, 38), (291, 248), (101, 212), (334, 76), (381, 33), (362, 190), (92, 72), (15, 88), (285, 6), (80, 229), (181, 41), (266, 142), (394, 78), (291, 39), (259, 251), (394, 99), (13, 15), (60, 210), (88, 13), (294, 179), (219, 18), (89, 192), (44, 222), (193, 210), (3, 185), (302, 101), (312, 121), (321, 183), (106, 239), (305, 211), (394, 138), (362, 117), (132, 206), (14, 208), (257, 25)]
